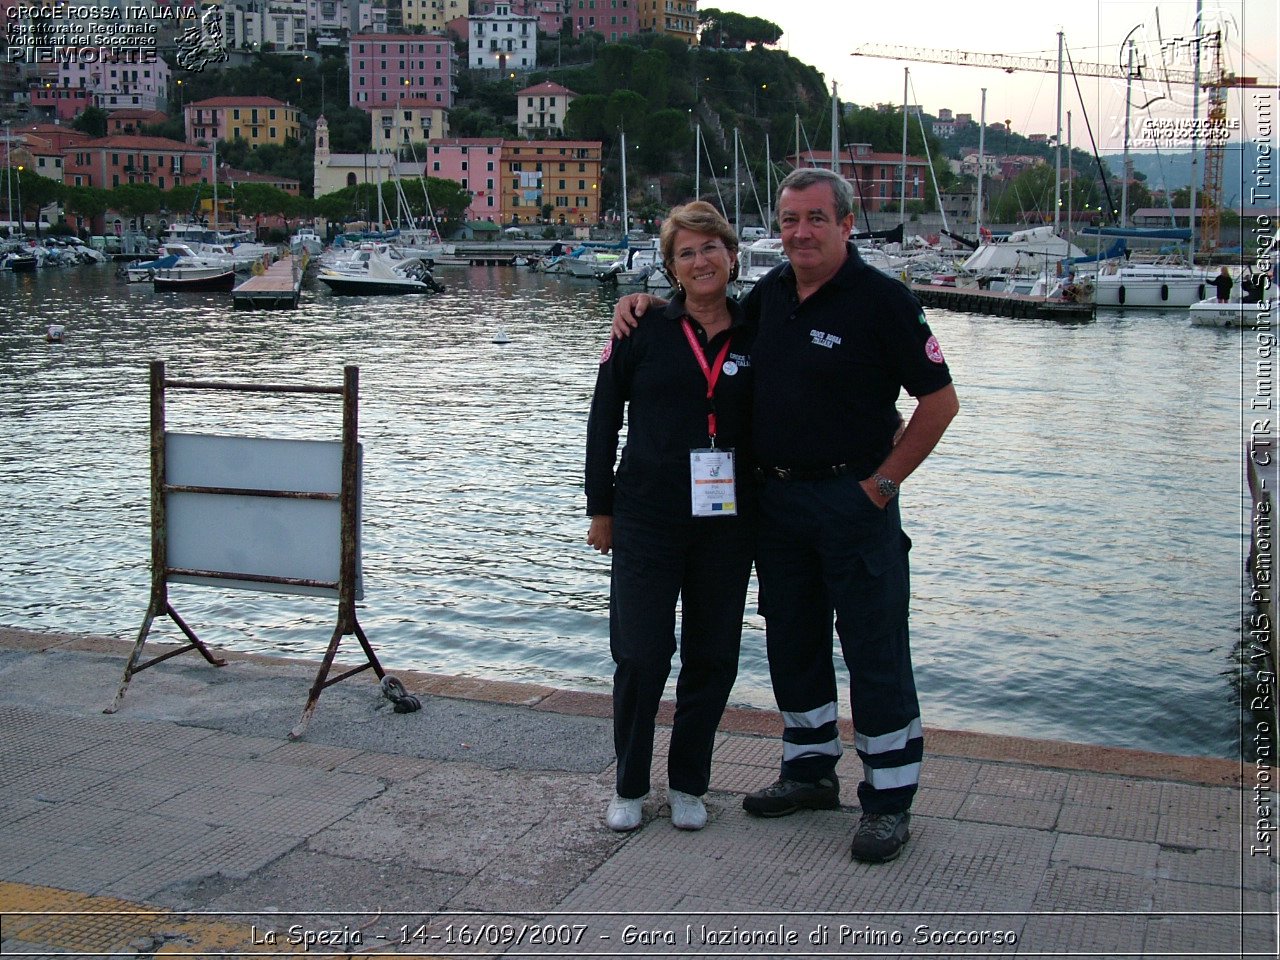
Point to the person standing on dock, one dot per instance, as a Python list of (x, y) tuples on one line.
[(838, 341), (678, 514)]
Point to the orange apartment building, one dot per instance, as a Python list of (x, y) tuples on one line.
[(110, 161), (561, 174)]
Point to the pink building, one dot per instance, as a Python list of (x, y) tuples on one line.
[(386, 67), (613, 18), (58, 102), (473, 162)]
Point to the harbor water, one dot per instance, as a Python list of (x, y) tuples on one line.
[(1077, 535)]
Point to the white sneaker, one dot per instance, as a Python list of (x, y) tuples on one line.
[(687, 811), (623, 814)]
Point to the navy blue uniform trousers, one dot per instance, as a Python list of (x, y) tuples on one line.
[(705, 563), (824, 544)]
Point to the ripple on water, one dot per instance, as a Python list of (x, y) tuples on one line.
[(1074, 575)]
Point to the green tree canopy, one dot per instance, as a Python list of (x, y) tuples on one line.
[(92, 120), (258, 199), (90, 203), (137, 199), (722, 28)]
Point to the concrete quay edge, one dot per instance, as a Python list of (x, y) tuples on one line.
[(188, 824), (1123, 761)]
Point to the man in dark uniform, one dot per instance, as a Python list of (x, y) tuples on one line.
[(837, 342)]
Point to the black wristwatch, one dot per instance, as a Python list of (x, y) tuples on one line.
[(885, 487)]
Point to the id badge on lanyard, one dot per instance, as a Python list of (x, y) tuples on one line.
[(713, 488)]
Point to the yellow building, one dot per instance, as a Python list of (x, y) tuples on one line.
[(410, 121), (561, 174), (258, 120), (434, 15), (678, 18)]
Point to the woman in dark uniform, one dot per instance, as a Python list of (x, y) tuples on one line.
[(677, 515)]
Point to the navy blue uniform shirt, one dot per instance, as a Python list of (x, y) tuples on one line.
[(828, 371), (654, 375)]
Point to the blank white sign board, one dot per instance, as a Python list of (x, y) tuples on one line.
[(260, 536)]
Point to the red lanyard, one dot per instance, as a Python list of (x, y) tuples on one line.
[(711, 373)]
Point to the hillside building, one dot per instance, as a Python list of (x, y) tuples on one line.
[(258, 120), (388, 67), (614, 19), (540, 109), (502, 41)]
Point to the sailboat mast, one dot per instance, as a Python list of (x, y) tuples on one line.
[(768, 189), (214, 219), (1071, 176), (1057, 152), (626, 216), (902, 194), (697, 161), (835, 129), (1195, 153), (737, 225), (982, 163), (1128, 164)]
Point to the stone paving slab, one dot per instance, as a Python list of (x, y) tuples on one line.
[(485, 816)]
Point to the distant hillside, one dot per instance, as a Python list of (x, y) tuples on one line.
[(1172, 171)]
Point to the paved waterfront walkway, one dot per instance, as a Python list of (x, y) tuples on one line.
[(188, 824)]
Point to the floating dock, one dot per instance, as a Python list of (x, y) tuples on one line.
[(276, 288), (999, 304)]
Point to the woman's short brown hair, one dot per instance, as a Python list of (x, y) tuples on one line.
[(700, 217)]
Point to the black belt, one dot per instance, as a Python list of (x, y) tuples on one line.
[(814, 473)]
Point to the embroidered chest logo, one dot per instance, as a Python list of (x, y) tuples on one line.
[(820, 339), (736, 362)]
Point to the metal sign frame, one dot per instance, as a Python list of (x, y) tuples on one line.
[(346, 586)]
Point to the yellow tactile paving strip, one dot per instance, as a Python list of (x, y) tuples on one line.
[(77, 924)]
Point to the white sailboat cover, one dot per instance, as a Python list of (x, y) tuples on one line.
[(1022, 251)]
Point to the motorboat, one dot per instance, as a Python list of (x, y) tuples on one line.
[(375, 271), (636, 269), (1156, 285), (758, 258), (193, 239), (20, 261), (306, 241), (193, 277), (143, 271), (590, 263), (1234, 312)]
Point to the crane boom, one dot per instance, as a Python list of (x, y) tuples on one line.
[(1010, 64), (1218, 83)]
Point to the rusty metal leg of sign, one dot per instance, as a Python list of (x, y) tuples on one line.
[(347, 622), (159, 604), (133, 666)]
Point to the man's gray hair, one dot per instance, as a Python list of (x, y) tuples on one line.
[(805, 177)]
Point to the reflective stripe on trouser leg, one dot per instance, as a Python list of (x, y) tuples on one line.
[(798, 636), (891, 761), (811, 736), (871, 593)]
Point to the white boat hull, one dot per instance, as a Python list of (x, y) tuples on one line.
[(1233, 313), (1156, 291)]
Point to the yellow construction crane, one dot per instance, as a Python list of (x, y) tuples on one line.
[(1216, 84)]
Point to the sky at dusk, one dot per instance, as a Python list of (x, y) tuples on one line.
[(824, 34)]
